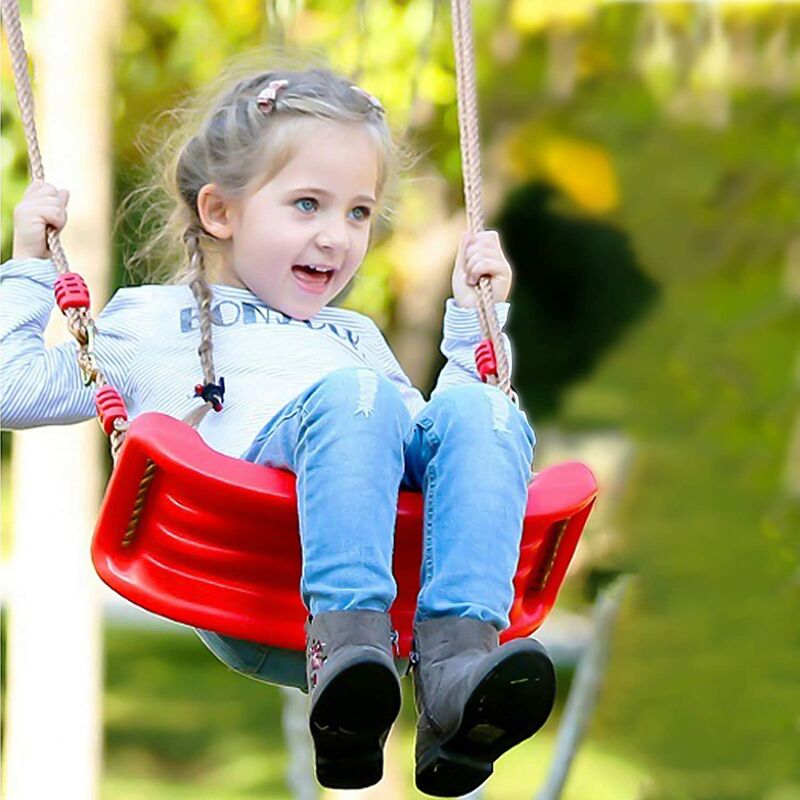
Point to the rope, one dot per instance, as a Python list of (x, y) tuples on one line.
[(79, 320), (469, 139)]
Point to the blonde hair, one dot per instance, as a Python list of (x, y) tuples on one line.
[(222, 136)]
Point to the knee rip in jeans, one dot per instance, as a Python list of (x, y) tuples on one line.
[(501, 408), (367, 389)]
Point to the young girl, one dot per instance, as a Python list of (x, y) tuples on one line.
[(277, 191)]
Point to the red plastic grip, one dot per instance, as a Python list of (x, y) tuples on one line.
[(71, 291), (110, 406), (485, 359)]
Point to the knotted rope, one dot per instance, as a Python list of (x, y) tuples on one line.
[(79, 320)]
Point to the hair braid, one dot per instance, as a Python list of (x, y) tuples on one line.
[(202, 295), (234, 141)]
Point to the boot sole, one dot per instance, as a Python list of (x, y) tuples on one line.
[(349, 723), (509, 705)]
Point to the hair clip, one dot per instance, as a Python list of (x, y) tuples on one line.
[(213, 393), (266, 99), (371, 99)]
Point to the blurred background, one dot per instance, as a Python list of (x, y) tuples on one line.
[(641, 164)]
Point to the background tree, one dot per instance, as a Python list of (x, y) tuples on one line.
[(650, 210)]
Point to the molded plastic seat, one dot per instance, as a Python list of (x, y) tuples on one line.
[(216, 542)]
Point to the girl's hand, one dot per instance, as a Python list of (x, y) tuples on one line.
[(41, 205), (480, 254)]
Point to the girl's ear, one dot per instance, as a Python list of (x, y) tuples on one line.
[(214, 211)]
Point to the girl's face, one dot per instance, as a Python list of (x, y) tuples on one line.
[(298, 240)]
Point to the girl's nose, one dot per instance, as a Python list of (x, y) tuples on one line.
[(333, 237)]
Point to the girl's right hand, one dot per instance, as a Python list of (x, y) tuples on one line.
[(41, 205)]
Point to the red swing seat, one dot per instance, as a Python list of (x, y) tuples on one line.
[(212, 541)]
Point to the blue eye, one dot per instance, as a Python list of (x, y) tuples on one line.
[(364, 211)]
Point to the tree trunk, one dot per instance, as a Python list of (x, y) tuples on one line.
[(54, 730)]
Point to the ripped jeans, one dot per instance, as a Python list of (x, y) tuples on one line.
[(352, 444)]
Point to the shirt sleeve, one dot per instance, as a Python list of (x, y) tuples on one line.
[(461, 335), (44, 386)]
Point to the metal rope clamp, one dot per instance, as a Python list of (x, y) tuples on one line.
[(86, 361)]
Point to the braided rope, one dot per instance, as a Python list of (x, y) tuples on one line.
[(469, 139), (79, 320)]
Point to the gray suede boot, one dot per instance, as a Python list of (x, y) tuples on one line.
[(355, 695), (475, 700)]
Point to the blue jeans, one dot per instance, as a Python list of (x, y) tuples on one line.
[(352, 444)]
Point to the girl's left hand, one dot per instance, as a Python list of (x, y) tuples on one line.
[(480, 254)]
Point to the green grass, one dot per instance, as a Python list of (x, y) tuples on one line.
[(6, 515), (178, 724)]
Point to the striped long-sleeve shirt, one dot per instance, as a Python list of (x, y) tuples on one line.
[(147, 348)]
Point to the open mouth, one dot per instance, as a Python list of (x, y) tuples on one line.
[(313, 279)]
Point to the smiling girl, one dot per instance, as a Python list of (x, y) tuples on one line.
[(276, 192)]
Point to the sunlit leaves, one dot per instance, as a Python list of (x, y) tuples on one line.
[(582, 170), (534, 16)]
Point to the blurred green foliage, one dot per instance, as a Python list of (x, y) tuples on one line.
[(701, 685), (180, 725), (651, 202)]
